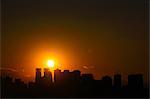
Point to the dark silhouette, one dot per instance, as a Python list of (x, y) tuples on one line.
[(73, 84), (38, 75), (117, 81)]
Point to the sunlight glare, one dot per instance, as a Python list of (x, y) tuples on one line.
[(50, 63)]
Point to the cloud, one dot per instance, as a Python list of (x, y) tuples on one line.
[(85, 67), (8, 69)]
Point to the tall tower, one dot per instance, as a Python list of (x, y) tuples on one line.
[(57, 75), (66, 75), (47, 75), (117, 81), (38, 75)]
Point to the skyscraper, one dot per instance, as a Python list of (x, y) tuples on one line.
[(38, 75), (57, 75), (117, 81), (47, 75), (66, 75)]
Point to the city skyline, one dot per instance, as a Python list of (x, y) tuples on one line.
[(58, 75), (74, 84), (51, 74)]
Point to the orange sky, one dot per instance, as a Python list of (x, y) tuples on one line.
[(93, 36)]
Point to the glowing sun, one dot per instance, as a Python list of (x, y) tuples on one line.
[(50, 63)]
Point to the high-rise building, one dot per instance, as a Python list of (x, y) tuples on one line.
[(117, 81), (66, 75), (47, 75), (38, 75), (57, 75)]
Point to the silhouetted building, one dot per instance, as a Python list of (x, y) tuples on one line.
[(47, 75), (107, 81), (19, 83), (74, 86), (76, 75), (6, 83), (66, 75), (77, 72), (7, 80), (117, 81), (135, 81), (66, 72), (87, 77), (38, 75), (57, 75), (31, 85)]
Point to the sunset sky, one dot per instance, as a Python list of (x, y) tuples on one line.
[(102, 37)]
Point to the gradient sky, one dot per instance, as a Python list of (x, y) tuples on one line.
[(102, 37)]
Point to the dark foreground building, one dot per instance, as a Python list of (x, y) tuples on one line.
[(74, 85)]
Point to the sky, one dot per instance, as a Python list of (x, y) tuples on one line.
[(102, 37)]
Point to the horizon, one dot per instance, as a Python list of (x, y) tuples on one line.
[(124, 78)]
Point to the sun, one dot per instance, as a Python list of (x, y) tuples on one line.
[(50, 63)]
